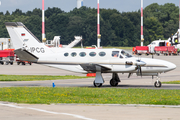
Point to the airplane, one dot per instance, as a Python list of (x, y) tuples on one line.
[(29, 48)]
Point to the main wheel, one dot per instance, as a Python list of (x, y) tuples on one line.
[(97, 84), (157, 84), (113, 83)]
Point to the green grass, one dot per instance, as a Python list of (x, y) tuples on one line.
[(36, 77), (172, 82), (47, 95)]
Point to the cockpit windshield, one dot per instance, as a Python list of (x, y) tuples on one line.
[(126, 54)]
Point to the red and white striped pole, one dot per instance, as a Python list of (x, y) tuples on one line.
[(43, 23), (98, 26), (142, 37), (179, 14)]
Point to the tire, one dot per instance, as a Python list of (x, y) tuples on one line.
[(97, 84), (18, 63), (30, 63), (113, 83), (11, 63), (157, 84), (23, 63)]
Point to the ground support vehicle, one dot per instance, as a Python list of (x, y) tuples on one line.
[(139, 50), (22, 62), (166, 50), (158, 50), (6, 57)]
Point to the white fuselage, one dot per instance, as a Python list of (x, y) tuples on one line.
[(72, 59)]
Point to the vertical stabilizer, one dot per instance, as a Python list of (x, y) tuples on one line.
[(23, 38)]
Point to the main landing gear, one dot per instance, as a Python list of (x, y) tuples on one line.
[(157, 84), (115, 80), (99, 80)]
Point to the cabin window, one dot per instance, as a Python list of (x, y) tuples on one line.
[(73, 54), (126, 54), (115, 53), (120, 56), (82, 54), (66, 54), (102, 54), (92, 54)]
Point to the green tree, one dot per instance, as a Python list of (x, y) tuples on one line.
[(154, 27)]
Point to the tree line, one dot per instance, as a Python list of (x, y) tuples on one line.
[(117, 28)]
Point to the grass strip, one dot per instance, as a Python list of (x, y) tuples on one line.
[(36, 77), (172, 82), (47, 95)]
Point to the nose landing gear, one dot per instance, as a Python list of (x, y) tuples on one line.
[(157, 84)]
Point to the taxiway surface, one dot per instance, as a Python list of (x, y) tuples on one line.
[(133, 81), (11, 111)]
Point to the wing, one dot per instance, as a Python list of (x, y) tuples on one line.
[(93, 68)]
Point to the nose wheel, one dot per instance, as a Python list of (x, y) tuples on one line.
[(157, 84)]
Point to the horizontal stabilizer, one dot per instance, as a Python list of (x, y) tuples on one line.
[(26, 56)]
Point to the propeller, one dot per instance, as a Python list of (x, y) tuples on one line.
[(129, 75), (139, 64)]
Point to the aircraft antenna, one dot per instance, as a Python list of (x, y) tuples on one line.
[(142, 37), (43, 24), (98, 26)]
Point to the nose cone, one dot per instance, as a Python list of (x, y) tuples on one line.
[(170, 66), (158, 65)]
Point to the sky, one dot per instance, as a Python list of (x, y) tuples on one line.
[(68, 5)]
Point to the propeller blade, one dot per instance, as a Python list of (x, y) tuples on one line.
[(140, 71), (129, 75)]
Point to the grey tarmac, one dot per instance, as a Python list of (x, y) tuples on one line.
[(12, 111)]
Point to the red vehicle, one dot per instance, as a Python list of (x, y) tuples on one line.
[(141, 50), (166, 50), (22, 62), (6, 56)]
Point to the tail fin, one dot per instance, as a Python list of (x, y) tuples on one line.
[(22, 37)]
